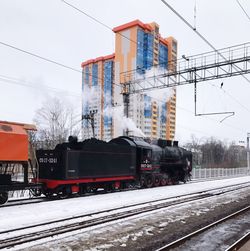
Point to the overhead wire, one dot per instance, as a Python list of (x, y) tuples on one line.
[(16, 81), (189, 111), (200, 35), (50, 60), (40, 57), (232, 97), (55, 62), (106, 26), (243, 9), (207, 42)]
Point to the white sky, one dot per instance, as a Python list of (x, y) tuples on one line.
[(53, 30)]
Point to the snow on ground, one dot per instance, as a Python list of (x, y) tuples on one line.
[(139, 231), (19, 216)]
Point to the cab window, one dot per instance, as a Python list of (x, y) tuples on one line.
[(146, 154)]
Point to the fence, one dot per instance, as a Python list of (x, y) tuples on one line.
[(206, 173)]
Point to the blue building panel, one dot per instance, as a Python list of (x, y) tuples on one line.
[(140, 55), (144, 57), (95, 75), (108, 79), (148, 50), (163, 56), (164, 113), (147, 107)]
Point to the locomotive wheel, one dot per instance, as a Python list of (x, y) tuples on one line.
[(3, 197), (88, 189), (94, 189), (142, 182), (149, 181), (49, 195), (157, 181), (36, 192), (164, 181), (62, 196)]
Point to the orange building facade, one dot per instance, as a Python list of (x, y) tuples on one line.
[(139, 49)]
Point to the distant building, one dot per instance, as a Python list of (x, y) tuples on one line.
[(139, 48)]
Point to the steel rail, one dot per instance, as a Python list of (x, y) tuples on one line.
[(239, 243), (177, 243), (35, 200), (50, 232)]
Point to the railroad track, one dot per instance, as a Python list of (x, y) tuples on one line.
[(240, 243), (35, 200), (179, 244), (21, 202), (14, 237)]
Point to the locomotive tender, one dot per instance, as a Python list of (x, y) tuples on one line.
[(83, 167)]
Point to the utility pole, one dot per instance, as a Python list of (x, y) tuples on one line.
[(125, 93), (248, 161), (90, 118)]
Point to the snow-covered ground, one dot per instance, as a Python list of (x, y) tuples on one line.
[(19, 216)]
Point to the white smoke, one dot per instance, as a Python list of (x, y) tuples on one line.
[(89, 95), (126, 123), (149, 80), (160, 96)]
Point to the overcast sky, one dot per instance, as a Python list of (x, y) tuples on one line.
[(56, 31)]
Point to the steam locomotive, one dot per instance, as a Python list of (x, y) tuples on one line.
[(80, 167), (83, 167)]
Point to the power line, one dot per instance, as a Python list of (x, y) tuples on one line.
[(106, 26), (189, 111), (243, 9), (40, 57), (50, 60), (15, 81), (232, 97), (199, 34)]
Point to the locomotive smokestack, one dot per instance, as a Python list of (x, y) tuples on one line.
[(72, 139), (169, 142), (175, 143)]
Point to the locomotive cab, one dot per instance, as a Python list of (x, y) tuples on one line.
[(143, 154)]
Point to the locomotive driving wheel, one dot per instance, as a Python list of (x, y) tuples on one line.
[(149, 181), (142, 182), (157, 181), (3, 197), (164, 181)]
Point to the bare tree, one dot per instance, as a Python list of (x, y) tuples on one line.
[(55, 121), (212, 153)]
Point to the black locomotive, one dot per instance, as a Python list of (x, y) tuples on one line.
[(80, 167)]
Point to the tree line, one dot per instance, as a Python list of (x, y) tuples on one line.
[(214, 153)]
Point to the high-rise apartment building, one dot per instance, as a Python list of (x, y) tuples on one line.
[(139, 49)]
